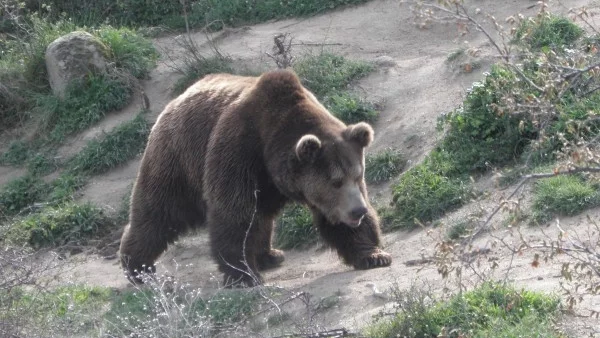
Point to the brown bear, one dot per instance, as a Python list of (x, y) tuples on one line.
[(230, 152)]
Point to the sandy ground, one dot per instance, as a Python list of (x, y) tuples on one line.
[(414, 84)]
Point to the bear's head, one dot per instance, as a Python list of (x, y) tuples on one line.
[(331, 173)]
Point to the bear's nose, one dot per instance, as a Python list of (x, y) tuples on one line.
[(357, 213)]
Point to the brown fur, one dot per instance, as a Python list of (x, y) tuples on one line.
[(230, 152)]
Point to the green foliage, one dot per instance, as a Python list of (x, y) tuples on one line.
[(295, 228), (21, 193), (426, 192), (563, 195), (326, 73), (548, 32), (476, 313), (64, 187), (481, 133), (194, 70), (129, 50), (384, 165), (67, 223), (54, 312), (41, 165), (459, 230), (116, 147), (85, 103)]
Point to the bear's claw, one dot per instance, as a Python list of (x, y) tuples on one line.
[(376, 259)]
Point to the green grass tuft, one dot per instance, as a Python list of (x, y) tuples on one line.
[(116, 147), (489, 308), (59, 225), (327, 73), (563, 195), (128, 50), (17, 153), (383, 166), (21, 193), (328, 77), (426, 192), (295, 228)]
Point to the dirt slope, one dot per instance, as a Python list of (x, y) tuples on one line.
[(413, 83)]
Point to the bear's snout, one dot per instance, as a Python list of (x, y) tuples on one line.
[(358, 213)]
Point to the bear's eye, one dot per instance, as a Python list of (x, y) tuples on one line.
[(337, 183)]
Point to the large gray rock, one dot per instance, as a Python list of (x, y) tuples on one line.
[(71, 57)]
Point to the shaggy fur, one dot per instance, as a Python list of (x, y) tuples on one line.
[(229, 153)]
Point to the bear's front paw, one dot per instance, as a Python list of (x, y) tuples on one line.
[(271, 259), (376, 259)]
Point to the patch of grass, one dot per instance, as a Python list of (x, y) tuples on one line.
[(21, 193), (129, 50), (328, 76), (459, 230), (548, 32), (67, 223), (17, 153), (295, 228), (64, 187), (41, 165), (67, 311), (85, 103), (475, 313), (116, 147), (195, 70), (326, 73), (563, 195), (350, 108), (426, 192), (383, 166), (455, 54)]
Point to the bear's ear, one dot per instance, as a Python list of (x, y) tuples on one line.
[(308, 148), (361, 133)]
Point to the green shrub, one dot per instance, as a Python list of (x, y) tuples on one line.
[(563, 195), (548, 32), (295, 228), (128, 50), (481, 133), (116, 147), (21, 193), (54, 226), (327, 73), (384, 165), (426, 192), (474, 313)]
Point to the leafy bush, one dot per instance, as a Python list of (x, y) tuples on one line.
[(475, 313), (295, 228), (548, 32), (21, 193), (67, 223), (86, 102), (116, 147), (426, 192), (563, 195), (384, 165), (481, 133)]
